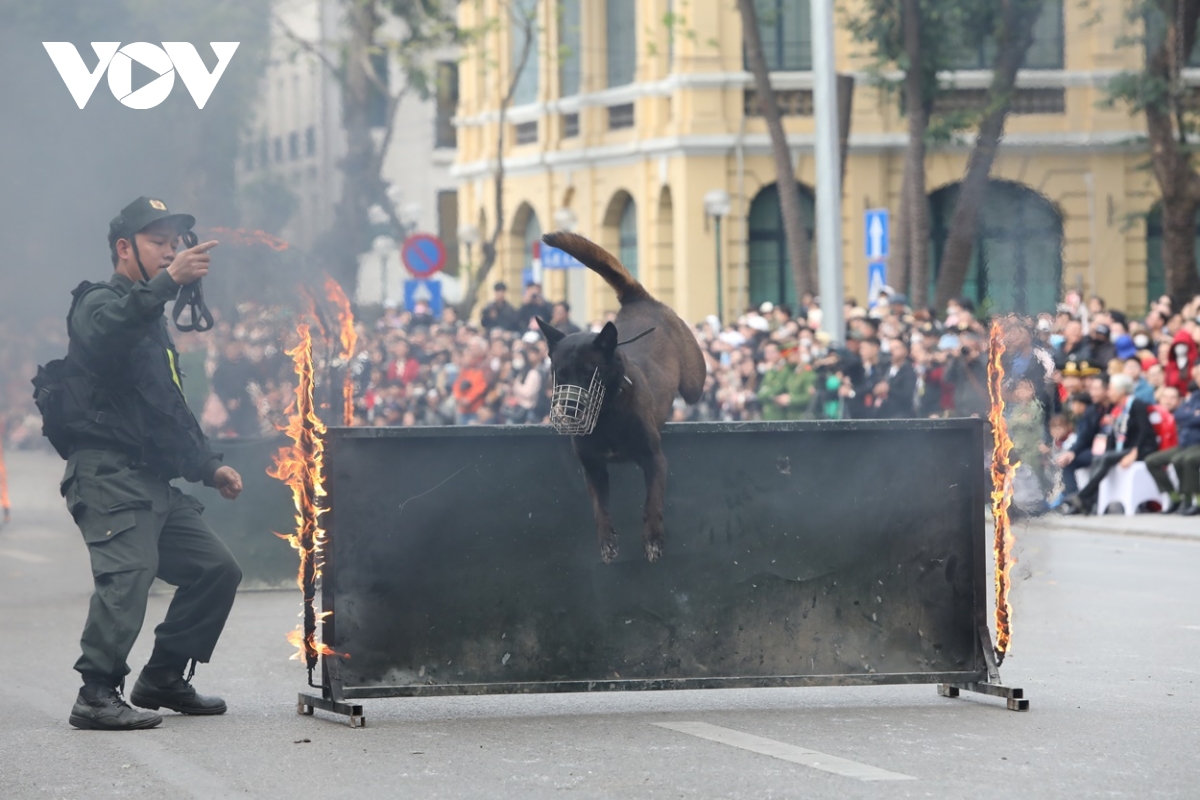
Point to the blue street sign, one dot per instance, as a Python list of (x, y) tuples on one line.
[(526, 276), (877, 233), (876, 280), (423, 254), (429, 291), (553, 258)]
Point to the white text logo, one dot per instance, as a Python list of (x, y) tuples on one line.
[(165, 61)]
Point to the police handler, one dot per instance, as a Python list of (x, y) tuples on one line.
[(134, 435)]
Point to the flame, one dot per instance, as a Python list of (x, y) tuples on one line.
[(303, 644), (243, 236), (349, 340), (1002, 490), (301, 466), (5, 506)]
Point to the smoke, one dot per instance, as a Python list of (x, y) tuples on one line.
[(68, 171)]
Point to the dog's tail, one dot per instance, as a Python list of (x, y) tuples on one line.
[(600, 261)]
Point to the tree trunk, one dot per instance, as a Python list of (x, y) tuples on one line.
[(899, 272), (845, 103), (1179, 249), (917, 216), (1016, 35), (479, 276), (1173, 169), (785, 180)]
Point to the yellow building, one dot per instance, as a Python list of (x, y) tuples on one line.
[(621, 123)]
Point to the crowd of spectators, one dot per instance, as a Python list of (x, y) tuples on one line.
[(1082, 382)]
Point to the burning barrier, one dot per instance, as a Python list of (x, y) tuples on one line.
[(1002, 490), (301, 466), (462, 560)]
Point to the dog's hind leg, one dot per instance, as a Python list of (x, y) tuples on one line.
[(654, 467), (595, 472)]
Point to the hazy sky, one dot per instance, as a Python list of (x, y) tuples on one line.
[(65, 172)]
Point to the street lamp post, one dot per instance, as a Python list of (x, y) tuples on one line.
[(717, 205), (829, 193)]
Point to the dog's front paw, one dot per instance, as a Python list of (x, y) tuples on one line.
[(608, 547), (654, 549)]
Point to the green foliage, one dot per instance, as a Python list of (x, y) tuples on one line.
[(953, 34), (427, 26), (1147, 25), (1140, 90), (948, 27)]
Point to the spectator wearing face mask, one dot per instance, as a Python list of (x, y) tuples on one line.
[(522, 406), (1181, 357)]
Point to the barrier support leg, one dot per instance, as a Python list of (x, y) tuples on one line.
[(1015, 697), (307, 703)]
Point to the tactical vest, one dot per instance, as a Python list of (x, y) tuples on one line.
[(131, 400)]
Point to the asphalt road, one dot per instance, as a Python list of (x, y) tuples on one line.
[(1106, 643)]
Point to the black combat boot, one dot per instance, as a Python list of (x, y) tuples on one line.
[(167, 688), (100, 707)]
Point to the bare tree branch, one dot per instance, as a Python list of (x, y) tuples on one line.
[(528, 25), (307, 46)]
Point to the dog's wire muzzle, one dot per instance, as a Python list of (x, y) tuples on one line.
[(574, 410)]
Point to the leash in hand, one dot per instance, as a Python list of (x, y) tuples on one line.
[(191, 297)]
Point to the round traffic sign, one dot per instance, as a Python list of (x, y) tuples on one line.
[(423, 254)]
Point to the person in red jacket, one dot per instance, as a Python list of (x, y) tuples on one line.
[(1162, 418), (1182, 356)]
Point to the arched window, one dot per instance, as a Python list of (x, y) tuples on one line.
[(524, 17), (627, 242), (533, 234), (1016, 263), (770, 268), (621, 48), (786, 32), (1156, 272)]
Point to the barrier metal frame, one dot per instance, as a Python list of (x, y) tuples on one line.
[(336, 696)]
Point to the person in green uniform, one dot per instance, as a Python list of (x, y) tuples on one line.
[(787, 386), (131, 433)]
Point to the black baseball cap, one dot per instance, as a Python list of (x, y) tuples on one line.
[(142, 213)]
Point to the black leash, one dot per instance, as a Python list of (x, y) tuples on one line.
[(634, 339), (191, 296)]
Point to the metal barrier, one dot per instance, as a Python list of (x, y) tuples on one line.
[(464, 561)]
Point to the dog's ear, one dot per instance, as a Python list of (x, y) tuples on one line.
[(553, 335), (606, 340)]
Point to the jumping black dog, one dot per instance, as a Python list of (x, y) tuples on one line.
[(634, 386)]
